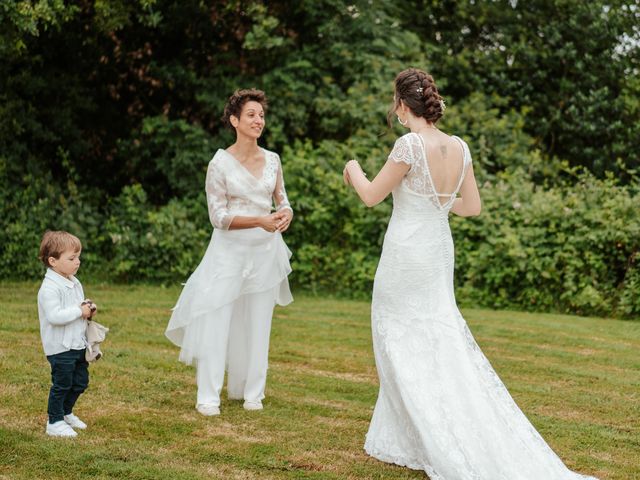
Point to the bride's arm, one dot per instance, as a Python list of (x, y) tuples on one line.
[(469, 203), (372, 193)]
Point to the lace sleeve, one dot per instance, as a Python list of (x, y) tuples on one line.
[(403, 151), (217, 197), (279, 193)]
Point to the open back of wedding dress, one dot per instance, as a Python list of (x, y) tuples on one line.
[(441, 407)]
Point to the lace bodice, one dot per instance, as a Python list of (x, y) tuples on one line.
[(232, 190), (411, 150)]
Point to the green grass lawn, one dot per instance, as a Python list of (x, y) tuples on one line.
[(576, 378)]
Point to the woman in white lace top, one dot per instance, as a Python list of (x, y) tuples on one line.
[(223, 315), (441, 407)]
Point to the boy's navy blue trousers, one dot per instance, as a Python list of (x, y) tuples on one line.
[(69, 378)]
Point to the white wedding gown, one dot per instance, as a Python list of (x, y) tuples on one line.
[(441, 407)]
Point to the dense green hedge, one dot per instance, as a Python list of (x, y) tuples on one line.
[(574, 248), (569, 247)]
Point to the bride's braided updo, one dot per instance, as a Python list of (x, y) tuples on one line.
[(418, 91)]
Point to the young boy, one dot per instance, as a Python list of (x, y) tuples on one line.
[(63, 313)]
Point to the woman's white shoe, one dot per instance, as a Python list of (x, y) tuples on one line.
[(207, 409), (252, 405)]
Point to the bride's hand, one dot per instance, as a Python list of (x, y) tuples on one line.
[(345, 176), (345, 172)]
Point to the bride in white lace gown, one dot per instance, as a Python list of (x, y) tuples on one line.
[(441, 407)]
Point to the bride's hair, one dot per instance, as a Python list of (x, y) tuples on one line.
[(418, 91), (238, 100)]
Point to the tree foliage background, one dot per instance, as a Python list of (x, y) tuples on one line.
[(110, 112)]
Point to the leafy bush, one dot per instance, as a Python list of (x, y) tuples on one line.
[(336, 240), (171, 155), (161, 244), (30, 204), (572, 248)]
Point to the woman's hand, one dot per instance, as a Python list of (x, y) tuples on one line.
[(345, 176), (286, 216), (270, 222), (345, 173)]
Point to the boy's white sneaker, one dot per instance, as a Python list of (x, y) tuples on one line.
[(252, 405), (207, 409), (60, 429), (74, 421)]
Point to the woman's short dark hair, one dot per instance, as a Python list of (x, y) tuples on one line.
[(238, 100), (419, 93)]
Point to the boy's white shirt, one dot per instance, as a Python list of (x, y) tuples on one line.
[(62, 327)]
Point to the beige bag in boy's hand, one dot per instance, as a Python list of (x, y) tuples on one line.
[(96, 334)]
